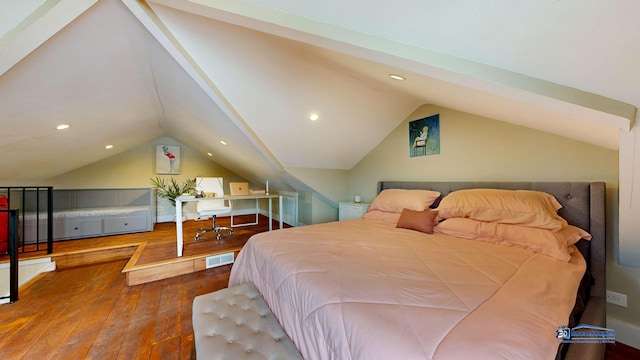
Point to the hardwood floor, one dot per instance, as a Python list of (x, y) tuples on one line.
[(88, 312)]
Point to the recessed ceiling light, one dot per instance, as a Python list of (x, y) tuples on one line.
[(223, 142), (397, 77), (62, 127), (314, 117), (210, 154), (108, 147)]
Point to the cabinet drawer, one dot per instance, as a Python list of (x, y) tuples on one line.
[(82, 228), (125, 224), (59, 229)]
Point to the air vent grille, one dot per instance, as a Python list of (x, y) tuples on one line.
[(219, 260)]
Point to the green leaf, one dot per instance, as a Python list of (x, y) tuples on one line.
[(173, 189)]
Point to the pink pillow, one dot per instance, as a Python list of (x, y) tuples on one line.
[(517, 207), (390, 217), (396, 200), (543, 241), (572, 234), (418, 220)]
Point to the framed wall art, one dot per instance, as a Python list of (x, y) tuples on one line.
[(167, 159), (424, 136)]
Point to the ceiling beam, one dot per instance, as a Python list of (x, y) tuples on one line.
[(154, 25)]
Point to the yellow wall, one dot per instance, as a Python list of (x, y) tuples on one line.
[(330, 183), (473, 148), (135, 168)]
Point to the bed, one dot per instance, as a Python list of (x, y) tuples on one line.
[(366, 289)]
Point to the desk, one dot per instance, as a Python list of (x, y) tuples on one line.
[(181, 199)]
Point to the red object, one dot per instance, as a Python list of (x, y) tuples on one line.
[(4, 225)]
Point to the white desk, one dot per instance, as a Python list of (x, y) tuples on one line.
[(181, 199)]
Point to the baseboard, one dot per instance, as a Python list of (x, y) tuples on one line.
[(626, 333)]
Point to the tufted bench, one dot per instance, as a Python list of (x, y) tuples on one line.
[(236, 323)]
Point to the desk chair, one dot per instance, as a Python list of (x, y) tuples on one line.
[(211, 186)]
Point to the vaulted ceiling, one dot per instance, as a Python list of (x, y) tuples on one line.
[(125, 72)]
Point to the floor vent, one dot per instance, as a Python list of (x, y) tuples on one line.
[(219, 260)]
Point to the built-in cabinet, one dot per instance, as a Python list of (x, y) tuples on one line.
[(69, 229), (85, 213)]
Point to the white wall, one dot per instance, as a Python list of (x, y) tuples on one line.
[(623, 271), (630, 198)]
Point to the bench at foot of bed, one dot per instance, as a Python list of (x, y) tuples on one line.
[(236, 323)]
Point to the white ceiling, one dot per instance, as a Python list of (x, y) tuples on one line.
[(250, 72)]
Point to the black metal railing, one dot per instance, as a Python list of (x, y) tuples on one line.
[(35, 216), (12, 248)]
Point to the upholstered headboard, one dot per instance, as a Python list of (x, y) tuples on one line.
[(583, 206)]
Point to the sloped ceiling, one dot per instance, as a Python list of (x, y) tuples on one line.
[(251, 72)]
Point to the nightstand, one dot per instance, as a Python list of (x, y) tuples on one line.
[(351, 210)]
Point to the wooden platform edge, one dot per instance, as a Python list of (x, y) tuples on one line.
[(93, 256), (137, 274)]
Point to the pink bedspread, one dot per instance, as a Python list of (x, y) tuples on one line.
[(362, 289)]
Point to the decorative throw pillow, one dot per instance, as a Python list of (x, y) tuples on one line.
[(418, 220), (517, 207), (395, 200)]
